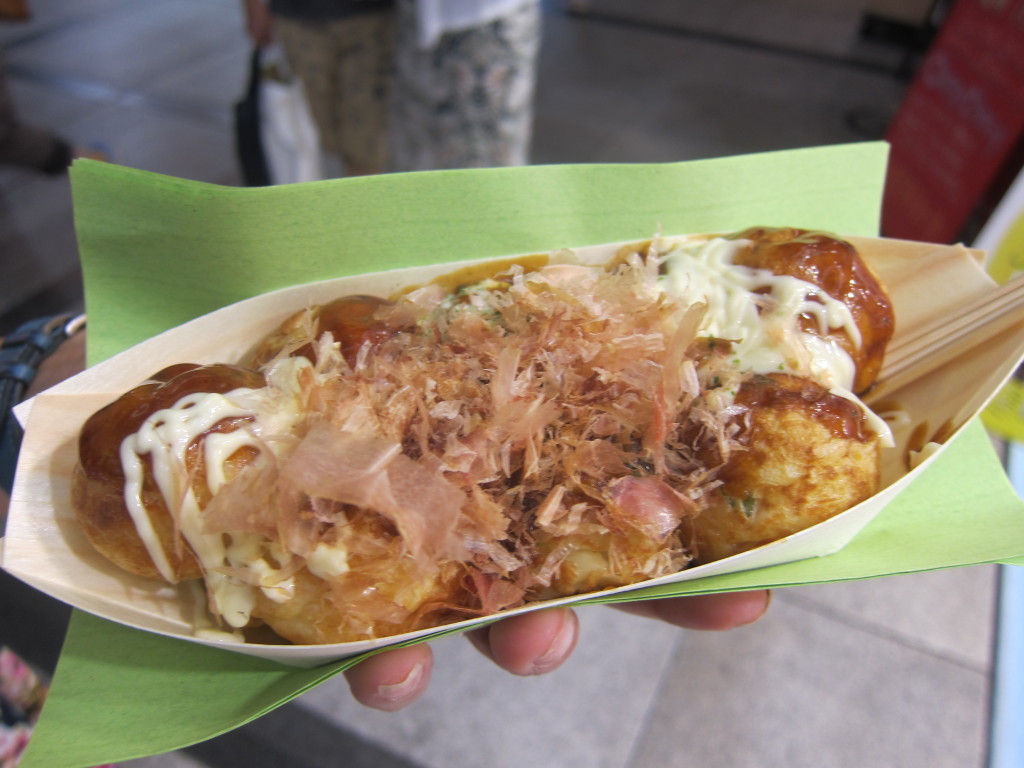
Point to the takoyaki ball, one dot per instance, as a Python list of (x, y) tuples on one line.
[(835, 266), (374, 599), (350, 320), (805, 456), (98, 482)]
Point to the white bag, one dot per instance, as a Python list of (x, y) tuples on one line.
[(291, 144)]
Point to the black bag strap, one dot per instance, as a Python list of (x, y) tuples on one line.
[(253, 87), (248, 138)]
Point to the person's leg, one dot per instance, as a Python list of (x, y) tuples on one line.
[(308, 50), (346, 68), (468, 101), (365, 57)]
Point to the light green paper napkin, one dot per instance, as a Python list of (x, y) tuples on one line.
[(157, 251)]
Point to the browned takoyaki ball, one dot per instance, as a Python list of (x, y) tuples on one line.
[(350, 320), (98, 482), (806, 455), (834, 266)]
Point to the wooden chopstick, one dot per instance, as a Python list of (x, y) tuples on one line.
[(933, 346)]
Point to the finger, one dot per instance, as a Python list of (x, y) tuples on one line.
[(707, 612), (529, 644), (393, 679)]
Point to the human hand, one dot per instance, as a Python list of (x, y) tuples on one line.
[(258, 22), (538, 642)]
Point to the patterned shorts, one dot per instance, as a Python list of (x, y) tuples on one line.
[(346, 66), (468, 101)]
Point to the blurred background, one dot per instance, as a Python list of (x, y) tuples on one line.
[(891, 672), (617, 81)]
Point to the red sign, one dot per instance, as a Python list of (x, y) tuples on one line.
[(960, 122)]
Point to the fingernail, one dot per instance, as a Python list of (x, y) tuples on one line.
[(404, 688), (561, 646)]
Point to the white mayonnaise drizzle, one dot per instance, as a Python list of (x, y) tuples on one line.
[(758, 311), (234, 566), (327, 560)]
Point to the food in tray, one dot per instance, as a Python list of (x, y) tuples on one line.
[(380, 465)]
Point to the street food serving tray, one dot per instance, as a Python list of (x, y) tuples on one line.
[(45, 547)]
